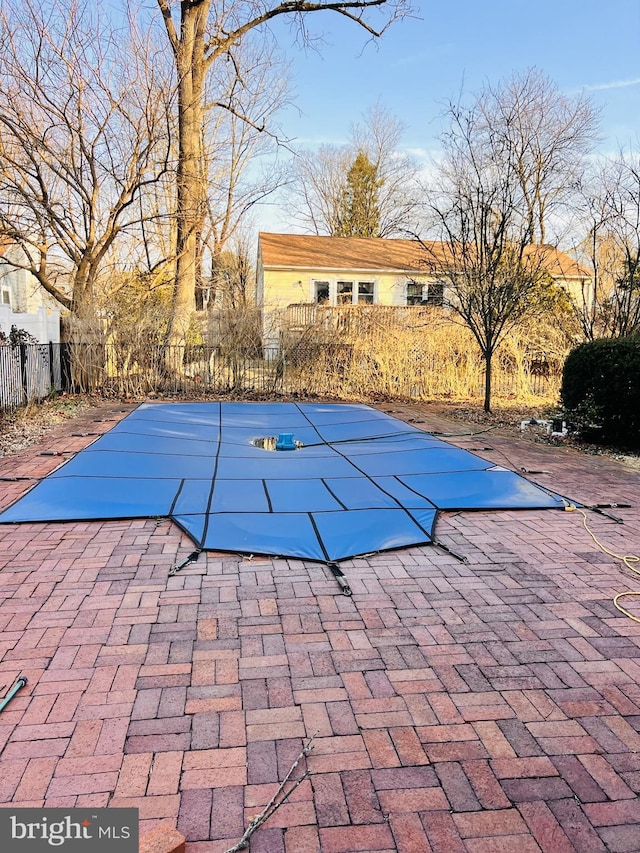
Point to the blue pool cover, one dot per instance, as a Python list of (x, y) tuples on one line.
[(362, 481)]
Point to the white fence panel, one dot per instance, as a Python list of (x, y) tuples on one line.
[(11, 393), (29, 372)]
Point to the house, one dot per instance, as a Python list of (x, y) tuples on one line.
[(23, 301), (302, 270)]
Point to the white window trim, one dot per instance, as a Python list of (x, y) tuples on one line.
[(424, 285), (333, 289), (312, 289)]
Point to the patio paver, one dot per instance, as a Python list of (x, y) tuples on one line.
[(482, 706)]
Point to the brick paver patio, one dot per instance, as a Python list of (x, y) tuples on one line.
[(459, 708)]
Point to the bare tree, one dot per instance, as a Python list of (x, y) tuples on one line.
[(317, 187), (548, 134), (494, 276), (595, 252), (243, 98), (624, 234), (612, 249), (233, 276), (83, 131), (320, 178), (202, 33)]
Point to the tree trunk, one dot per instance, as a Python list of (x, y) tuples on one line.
[(488, 356), (83, 306), (190, 179), (188, 201)]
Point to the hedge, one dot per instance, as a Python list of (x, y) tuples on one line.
[(601, 388)]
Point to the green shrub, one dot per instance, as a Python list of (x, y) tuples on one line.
[(601, 388)]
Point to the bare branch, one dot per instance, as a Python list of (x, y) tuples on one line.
[(281, 795), (82, 133), (489, 202), (165, 10), (223, 40)]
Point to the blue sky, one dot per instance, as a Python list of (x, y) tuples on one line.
[(450, 46), (422, 62)]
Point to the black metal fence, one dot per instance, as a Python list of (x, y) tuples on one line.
[(33, 371), (187, 371)]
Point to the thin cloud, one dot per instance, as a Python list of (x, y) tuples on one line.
[(615, 84)]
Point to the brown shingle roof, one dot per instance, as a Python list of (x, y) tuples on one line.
[(357, 253), (560, 265), (376, 253)]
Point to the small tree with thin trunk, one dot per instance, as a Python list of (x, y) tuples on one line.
[(495, 278), (240, 169), (623, 207), (610, 307)]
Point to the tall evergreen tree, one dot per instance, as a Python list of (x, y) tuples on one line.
[(318, 179), (359, 209)]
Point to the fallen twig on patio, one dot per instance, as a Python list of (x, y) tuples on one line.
[(278, 799)]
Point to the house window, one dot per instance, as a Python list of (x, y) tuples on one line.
[(321, 292), (6, 297), (344, 292), (355, 292), (414, 293), (365, 292), (435, 293), (431, 293)]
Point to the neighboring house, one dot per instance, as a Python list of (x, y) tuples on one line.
[(23, 301), (302, 270)]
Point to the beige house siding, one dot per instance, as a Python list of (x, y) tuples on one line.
[(579, 289), (289, 266), (280, 288)]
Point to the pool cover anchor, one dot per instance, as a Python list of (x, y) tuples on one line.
[(20, 682), (459, 557), (335, 570), (192, 558), (600, 510), (21, 479)]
